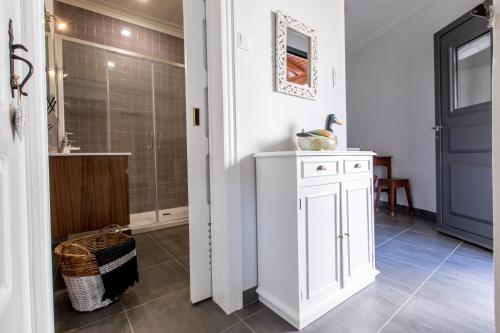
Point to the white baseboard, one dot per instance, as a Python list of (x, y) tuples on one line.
[(309, 316)]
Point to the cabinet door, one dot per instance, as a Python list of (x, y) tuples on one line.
[(319, 243), (357, 229)]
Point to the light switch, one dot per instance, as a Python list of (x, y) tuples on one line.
[(334, 78), (245, 42)]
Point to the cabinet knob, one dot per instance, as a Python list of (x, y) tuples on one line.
[(321, 168), (341, 237), (347, 235), (357, 166)]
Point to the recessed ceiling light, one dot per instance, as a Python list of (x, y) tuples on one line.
[(126, 32), (61, 25), (111, 64)]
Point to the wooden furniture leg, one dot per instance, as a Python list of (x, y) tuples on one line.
[(409, 198), (392, 200), (377, 202)]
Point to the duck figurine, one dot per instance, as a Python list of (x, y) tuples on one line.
[(320, 139)]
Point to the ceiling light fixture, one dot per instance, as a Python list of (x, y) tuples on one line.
[(61, 25), (111, 64), (126, 33)]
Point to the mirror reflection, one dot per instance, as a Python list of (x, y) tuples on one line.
[(298, 57)]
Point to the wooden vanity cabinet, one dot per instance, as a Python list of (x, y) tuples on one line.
[(88, 192)]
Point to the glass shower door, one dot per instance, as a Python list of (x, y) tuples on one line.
[(171, 145), (131, 129)]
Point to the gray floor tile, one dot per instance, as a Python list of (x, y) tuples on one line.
[(176, 247), (366, 311), (410, 254), (184, 262), (386, 231), (176, 314), (250, 310), (178, 233), (426, 227), (468, 269), (438, 243), (379, 240), (267, 321), (474, 252), (66, 318), (425, 317), (239, 328), (150, 253), (461, 296), (400, 275), (155, 282), (116, 324), (393, 222)]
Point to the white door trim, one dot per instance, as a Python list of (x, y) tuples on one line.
[(225, 170), (37, 171), (227, 262)]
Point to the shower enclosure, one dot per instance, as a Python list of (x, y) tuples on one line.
[(122, 102)]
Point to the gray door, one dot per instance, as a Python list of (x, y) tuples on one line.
[(463, 130)]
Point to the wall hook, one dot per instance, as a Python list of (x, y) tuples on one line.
[(13, 57)]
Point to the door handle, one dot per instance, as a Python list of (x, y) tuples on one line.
[(437, 128), (150, 140), (160, 139)]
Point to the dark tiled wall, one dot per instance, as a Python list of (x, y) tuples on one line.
[(97, 28), (85, 97), (130, 108)]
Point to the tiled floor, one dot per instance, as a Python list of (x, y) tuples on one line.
[(428, 283)]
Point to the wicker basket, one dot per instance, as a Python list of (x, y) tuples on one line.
[(79, 268)]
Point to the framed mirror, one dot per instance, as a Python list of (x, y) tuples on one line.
[(296, 58)]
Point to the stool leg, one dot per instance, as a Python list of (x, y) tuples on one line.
[(409, 198), (392, 200), (377, 201)]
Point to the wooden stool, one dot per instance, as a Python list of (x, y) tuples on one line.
[(390, 186)]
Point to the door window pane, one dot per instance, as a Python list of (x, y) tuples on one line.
[(473, 72)]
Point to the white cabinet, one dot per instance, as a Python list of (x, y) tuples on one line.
[(315, 231)]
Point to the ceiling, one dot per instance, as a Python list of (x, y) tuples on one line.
[(368, 19), (167, 12)]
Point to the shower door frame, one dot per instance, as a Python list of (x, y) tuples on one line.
[(58, 53), (59, 64)]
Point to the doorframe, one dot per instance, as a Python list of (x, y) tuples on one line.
[(438, 121), (227, 266), (37, 171)]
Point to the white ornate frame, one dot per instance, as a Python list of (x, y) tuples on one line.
[(283, 22)]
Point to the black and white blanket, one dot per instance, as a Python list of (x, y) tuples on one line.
[(118, 268)]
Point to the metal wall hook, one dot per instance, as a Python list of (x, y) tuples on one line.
[(13, 57)]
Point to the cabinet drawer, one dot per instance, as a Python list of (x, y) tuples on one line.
[(320, 168), (355, 166)]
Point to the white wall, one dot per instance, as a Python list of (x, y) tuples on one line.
[(390, 96), (268, 120)]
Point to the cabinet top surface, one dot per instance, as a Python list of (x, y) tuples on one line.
[(299, 153), (87, 154)]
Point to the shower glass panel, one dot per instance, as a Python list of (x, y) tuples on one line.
[(120, 103), (131, 127), (85, 97), (170, 120)]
